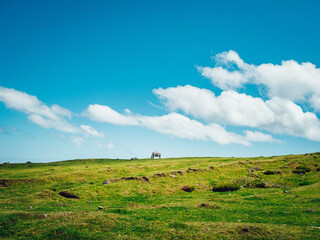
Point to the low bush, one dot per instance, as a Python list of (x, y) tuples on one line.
[(307, 169), (226, 187), (269, 172), (257, 184), (301, 169)]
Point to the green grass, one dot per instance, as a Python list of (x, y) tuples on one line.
[(229, 198)]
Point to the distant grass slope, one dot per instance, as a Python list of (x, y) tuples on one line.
[(253, 198)]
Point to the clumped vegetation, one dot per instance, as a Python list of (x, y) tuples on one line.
[(301, 169), (185, 198), (226, 187)]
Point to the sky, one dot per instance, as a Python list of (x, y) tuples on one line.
[(121, 79)]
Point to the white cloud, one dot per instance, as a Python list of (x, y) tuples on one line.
[(177, 125), (101, 113), (256, 136), (53, 117), (223, 78), (78, 141), (276, 115), (290, 119), (91, 131), (289, 80), (38, 112), (315, 102), (228, 108)]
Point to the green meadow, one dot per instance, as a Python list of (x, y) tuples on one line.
[(180, 198)]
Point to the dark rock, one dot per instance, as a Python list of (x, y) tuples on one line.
[(89, 202), (91, 183), (284, 191), (310, 210), (100, 208), (67, 194)]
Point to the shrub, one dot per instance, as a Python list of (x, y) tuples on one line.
[(269, 172), (226, 187), (307, 169), (301, 169), (298, 171), (258, 184)]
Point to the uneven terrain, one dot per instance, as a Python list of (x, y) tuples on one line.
[(183, 198)]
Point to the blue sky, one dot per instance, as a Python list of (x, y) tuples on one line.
[(198, 78)]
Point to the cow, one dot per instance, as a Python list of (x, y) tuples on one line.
[(156, 154)]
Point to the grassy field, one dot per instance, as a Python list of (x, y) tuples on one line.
[(183, 198)]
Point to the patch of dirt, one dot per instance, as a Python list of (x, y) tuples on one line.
[(187, 188), (3, 183), (67, 194), (129, 178), (206, 205), (159, 175), (144, 178)]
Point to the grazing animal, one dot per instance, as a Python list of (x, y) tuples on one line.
[(156, 154)]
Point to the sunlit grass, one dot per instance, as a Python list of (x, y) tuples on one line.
[(279, 205)]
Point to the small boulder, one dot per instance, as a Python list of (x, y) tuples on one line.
[(100, 208), (310, 210), (106, 182), (89, 201)]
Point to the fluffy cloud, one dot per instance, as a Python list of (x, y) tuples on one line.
[(91, 131), (277, 115), (289, 80), (38, 112), (228, 108), (53, 117), (101, 113), (177, 125)]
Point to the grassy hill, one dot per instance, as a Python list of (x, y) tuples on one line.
[(184, 198)]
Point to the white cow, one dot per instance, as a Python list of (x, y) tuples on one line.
[(156, 154)]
